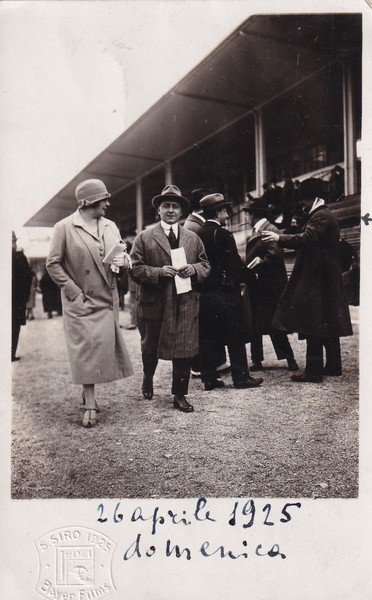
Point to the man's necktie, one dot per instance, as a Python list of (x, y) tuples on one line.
[(172, 239)]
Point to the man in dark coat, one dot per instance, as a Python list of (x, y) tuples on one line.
[(21, 285), (313, 302), (221, 309), (267, 278), (167, 320), (195, 222)]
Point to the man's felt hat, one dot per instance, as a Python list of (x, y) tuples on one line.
[(90, 191), (312, 188), (171, 192), (213, 202), (197, 195), (259, 205)]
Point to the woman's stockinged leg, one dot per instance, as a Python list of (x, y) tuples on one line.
[(90, 412), (88, 389)]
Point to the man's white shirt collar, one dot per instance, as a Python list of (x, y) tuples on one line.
[(196, 214), (317, 202), (167, 226), (213, 221)]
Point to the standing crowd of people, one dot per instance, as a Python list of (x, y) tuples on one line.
[(285, 202), (188, 281)]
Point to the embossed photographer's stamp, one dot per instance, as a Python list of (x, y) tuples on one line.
[(74, 564)]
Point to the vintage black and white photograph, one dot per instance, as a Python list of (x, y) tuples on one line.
[(186, 223)]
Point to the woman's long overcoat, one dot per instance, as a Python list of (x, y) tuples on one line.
[(157, 298), (95, 344)]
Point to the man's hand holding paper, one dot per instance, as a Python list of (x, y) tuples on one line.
[(179, 262)]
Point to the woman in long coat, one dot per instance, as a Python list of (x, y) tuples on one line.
[(90, 301)]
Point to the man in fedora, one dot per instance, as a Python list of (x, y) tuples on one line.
[(267, 278), (221, 309), (195, 222), (313, 302), (167, 320)]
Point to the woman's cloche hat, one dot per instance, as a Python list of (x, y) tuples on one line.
[(90, 191), (171, 192)]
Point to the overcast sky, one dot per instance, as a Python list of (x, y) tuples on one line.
[(75, 75)]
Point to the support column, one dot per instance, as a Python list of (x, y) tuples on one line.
[(139, 206), (349, 131), (260, 152), (168, 173)]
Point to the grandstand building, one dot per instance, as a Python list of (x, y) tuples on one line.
[(281, 94)]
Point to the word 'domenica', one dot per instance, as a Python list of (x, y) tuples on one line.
[(74, 564)]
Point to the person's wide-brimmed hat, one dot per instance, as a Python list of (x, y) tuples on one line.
[(213, 202), (90, 191), (259, 205), (312, 188), (171, 192), (197, 195)]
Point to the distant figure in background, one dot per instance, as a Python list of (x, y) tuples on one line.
[(51, 295), (31, 299), (287, 200), (336, 184), (123, 284), (350, 271), (276, 195), (133, 291), (295, 226), (265, 196), (21, 284)]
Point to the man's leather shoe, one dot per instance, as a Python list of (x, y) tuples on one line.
[(257, 366), (224, 368), (292, 365), (248, 382), (305, 378), (332, 372), (147, 388), (181, 403), (214, 383)]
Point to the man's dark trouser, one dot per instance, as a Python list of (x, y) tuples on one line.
[(280, 342), (209, 360), (220, 322), (314, 355), (150, 333), (221, 358)]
